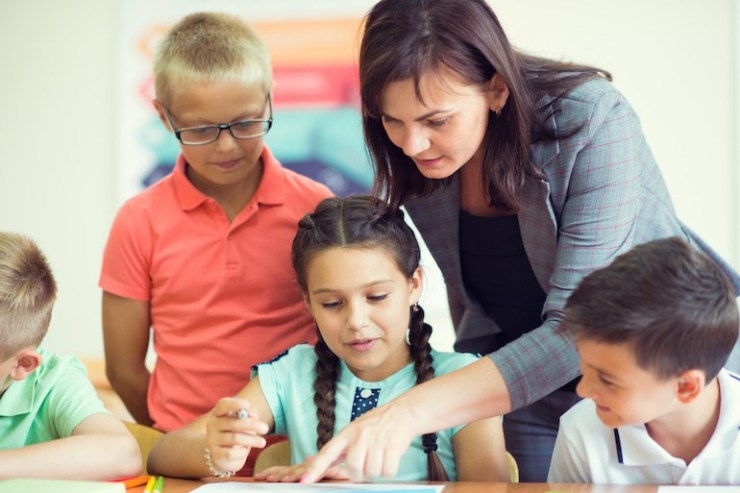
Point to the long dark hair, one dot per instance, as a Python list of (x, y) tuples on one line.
[(363, 222), (406, 39)]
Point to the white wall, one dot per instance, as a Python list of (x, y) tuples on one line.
[(673, 59)]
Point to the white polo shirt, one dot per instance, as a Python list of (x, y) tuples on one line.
[(587, 451)]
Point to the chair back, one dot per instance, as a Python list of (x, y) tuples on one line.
[(513, 468), (145, 436), (277, 454)]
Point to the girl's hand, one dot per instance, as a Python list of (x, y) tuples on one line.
[(231, 432), (291, 474)]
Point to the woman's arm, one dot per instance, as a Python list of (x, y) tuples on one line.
[(228, 437), (372, 445)]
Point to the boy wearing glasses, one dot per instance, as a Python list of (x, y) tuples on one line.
[(653, 331), (203, 256)]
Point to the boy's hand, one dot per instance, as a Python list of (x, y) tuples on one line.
[(231, 432)]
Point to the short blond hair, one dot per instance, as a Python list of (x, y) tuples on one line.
[(210, 46), (27, 293)]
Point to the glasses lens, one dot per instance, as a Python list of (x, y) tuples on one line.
[(200, 135), (249, 128)]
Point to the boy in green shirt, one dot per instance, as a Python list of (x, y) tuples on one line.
[(52, 424)]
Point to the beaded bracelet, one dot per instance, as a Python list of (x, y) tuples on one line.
[(212, 467)]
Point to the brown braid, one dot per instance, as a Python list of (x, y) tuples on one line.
[(325, 385), (421, 351), (360, 221)]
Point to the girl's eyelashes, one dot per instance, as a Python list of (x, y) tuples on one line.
[(377, 297), (371, 298), (331, 304)]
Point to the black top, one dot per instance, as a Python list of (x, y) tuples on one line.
[(497, 273)]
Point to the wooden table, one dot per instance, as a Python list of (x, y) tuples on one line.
[(183, 486)]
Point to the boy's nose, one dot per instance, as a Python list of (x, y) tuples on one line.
[(225, 140), (584, 389)]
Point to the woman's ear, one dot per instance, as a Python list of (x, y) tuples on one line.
[(690, 385), (26, 362), (498, 94)]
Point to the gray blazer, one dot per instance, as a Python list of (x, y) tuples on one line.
[(602, 194)]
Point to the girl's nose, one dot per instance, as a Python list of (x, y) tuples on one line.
[(357, 316)]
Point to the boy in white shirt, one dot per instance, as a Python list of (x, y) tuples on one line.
[(653, 331)]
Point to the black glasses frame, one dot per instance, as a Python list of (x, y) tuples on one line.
[(221, 126)]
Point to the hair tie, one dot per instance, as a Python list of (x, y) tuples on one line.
[(429, 443), (306, 222)]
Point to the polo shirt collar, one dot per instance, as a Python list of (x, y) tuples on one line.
[(19, 397), (270, 190), (635, 447)]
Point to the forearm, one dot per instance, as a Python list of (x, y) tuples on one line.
[(536, 364), (131, 387), (469, 394), (179, 454), (83, 457)]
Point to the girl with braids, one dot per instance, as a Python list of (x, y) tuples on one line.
[(357, 263)]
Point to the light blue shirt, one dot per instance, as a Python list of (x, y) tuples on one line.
[(287, 383)]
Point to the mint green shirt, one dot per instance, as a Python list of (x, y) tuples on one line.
[(287, 383), (48, 404)]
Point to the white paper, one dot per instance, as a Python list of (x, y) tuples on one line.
[(697, 489), (235, 486)]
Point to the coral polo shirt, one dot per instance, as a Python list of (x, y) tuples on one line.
[(223, 296)]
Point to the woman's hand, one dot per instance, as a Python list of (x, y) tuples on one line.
[(231, 432), (369, 447), (291, 474)]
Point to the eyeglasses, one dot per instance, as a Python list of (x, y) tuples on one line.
[(245, 129)]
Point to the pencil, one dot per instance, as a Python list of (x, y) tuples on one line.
[(150, 484), (159, 485), (135, 481)]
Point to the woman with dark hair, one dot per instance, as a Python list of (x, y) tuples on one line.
[(523, 175)]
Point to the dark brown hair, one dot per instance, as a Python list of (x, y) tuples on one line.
[(669, 302), (363, 222), (407, 39)]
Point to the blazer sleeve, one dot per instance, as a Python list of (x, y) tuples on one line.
[(595, 186)]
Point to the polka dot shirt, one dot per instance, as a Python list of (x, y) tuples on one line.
[(365, 400)]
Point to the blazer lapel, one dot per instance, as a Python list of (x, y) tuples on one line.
[(438, 221), (538, 227)]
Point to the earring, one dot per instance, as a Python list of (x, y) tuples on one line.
[(415, 307), (498, 111)]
